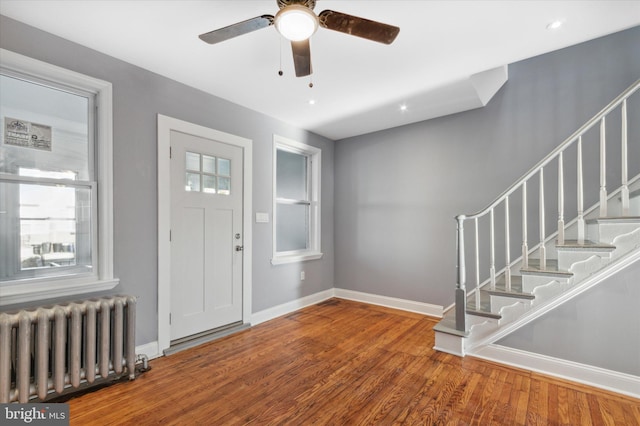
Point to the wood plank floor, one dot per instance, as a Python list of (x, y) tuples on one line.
[(343, 363)]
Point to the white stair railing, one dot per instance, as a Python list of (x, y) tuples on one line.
[(558, 154)]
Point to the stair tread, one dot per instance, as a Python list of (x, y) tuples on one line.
[(616, 219), (586, 245), (514, 294), (547, 271), (483, 313)]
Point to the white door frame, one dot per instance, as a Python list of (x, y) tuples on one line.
[(165, 126)]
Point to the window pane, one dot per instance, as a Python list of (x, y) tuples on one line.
[(224, 167), (224, 185), (291, 175), (209, 184), (54, 232), (44, 128), (192, 161), (292, 227), (208, 164), (193, 182)]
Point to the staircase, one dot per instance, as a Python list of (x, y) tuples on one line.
[(572, 253)]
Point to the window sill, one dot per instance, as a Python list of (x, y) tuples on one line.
[(23, 291), (298, 257)]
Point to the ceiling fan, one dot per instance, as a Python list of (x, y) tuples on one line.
[(297, 22)]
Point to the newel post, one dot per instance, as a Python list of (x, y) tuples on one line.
[(461, 292)]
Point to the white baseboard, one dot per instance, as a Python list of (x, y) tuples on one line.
[(287, 308), (391, 302), (151, 350), (614, 381), (374, 299)]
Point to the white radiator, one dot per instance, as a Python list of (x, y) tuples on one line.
[(48, 350)]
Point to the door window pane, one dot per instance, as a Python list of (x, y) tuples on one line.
[(193, 182), (224, 185), (208, 164), (224, 167), (209, 184), (192, 161)]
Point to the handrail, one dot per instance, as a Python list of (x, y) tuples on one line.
[(552, 155)]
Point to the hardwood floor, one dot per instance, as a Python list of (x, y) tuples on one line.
[(344, 363)]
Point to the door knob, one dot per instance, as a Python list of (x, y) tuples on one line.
[(239, 248)]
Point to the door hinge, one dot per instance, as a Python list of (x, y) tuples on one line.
[(169, 235), (169, 152), (169, 319)]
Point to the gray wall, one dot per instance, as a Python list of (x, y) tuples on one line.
[(138, 96), (600, 327), (398, 190)]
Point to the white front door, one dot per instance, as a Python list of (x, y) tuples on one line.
[(206, 234)]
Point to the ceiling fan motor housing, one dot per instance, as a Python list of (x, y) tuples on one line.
[(308, 3)]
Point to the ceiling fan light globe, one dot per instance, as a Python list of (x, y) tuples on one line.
[(296, 22)]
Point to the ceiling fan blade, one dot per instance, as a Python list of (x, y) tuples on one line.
[(360, 27), (240, 28), (302, 57)]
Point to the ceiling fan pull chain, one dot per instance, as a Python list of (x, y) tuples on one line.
[(280, 73), (310, 81)]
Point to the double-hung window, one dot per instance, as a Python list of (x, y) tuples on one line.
[(296, 201), (55, 182)]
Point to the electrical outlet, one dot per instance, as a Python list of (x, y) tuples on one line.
[(302, 276)]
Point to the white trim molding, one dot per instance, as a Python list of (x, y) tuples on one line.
[(165, 126), (149, 349), (373, 299), (614, 381), (391, 302), (289, 307)]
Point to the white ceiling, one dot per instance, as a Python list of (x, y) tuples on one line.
[(358, 85)]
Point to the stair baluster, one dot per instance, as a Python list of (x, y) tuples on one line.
[(543, 249), (603, 169), (477, 264), (525, 248), (507, 246), (492, 232), (560, 199), (625, 172), (580, 191)]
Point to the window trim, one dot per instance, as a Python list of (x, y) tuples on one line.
[(102, 279), (314, 167)]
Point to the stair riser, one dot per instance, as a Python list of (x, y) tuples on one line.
[(499, 302), (531, 281), (567, 258), (607, 232)]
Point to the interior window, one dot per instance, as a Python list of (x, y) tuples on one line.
[(296, 201), (56, 181)]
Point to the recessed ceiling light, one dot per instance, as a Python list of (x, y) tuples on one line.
[(312, 101), (554, 25), (403, 107)]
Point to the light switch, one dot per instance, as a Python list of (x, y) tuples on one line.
[(262, 217)]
